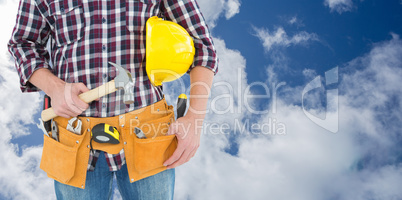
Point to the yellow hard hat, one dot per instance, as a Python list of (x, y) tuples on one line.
[(169, 50)]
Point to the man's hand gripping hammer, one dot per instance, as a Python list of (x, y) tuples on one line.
[(123, 80)]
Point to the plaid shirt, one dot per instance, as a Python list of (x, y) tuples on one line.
[(84, 35)]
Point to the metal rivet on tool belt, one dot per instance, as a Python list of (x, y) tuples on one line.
[(88, 146), (132, 180), (82, 186), (168, 123), (136, 117), (89, 130), (122, 125), (77, 141), (87, 120), (121, 117), (158, 110), (125, 143)]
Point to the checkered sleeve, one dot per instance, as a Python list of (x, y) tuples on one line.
[(187, 13), (28, 43)]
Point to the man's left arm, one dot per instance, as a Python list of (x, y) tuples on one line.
[(188, 128)]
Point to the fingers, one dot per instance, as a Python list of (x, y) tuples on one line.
[(188, 153), (188, 143), (64, 112), (79, 88), (176, 155), (183, 159), (66, 102), (172, 129), (72, 102), (184, 152), (192, 150), (192, 154)]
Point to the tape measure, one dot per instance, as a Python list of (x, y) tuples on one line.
[(104, 133)]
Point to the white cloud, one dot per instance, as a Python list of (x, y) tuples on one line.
[(19, 173), (116, 193), (309, 74), (213, 9), (293, 20), (279, 38), (232, 8), (339, 6), (20, 176), (310, 162)]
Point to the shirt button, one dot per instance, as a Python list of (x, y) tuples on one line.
[(62, 9), (103, 20), (104, 76), (104, 105), (104, 48)]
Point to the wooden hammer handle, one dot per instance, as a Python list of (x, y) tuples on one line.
[(87, 97)]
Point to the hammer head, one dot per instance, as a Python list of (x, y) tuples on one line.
[(124, 81)]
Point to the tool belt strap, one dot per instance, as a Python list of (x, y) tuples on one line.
[(154, 111)]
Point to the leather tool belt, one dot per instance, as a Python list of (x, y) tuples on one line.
[(66, 160)]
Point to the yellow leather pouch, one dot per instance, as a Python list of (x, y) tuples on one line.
[(59, 159), (148, 155)]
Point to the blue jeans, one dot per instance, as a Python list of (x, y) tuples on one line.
[(98, 185)]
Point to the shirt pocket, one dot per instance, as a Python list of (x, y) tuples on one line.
[(138, 12), (69, 21)]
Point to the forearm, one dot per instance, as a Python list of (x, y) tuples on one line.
[(201, 80), (189, 137), (45, 80)]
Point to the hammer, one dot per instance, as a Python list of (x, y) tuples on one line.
[(123, 80)]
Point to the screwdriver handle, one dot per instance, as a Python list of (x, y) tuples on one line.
[(181, 105)]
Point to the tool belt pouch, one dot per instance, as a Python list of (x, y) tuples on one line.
[(66, 161), (149, 154), (59, 159)]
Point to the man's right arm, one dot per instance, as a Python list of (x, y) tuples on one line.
[(64, 96), (28, 47)]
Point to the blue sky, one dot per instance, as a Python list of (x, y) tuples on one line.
[(330, 127), (341, 36)]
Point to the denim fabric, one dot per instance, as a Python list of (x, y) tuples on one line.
[(99, 185)]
